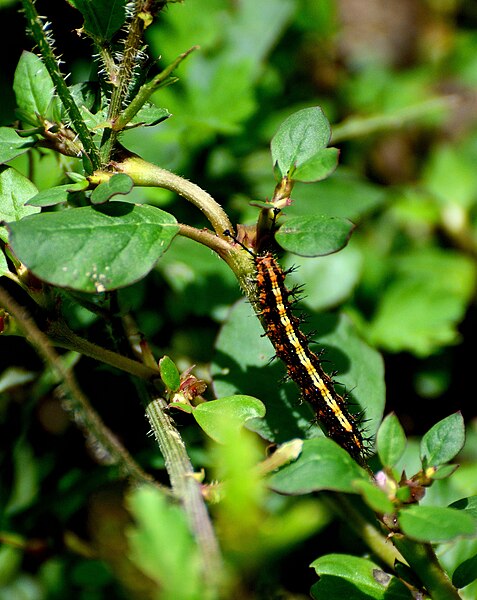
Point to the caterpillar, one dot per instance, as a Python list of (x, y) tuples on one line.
[(303, 365)]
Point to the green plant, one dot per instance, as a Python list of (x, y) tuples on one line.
[(77, 258)]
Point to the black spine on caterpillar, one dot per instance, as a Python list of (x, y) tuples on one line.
[(303, 365)]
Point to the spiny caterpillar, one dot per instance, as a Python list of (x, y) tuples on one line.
[(303, 365)]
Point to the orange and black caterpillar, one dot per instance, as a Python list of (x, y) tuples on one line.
[(303, 365)]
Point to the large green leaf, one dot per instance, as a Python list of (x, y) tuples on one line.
[(322, 465), (93, 249), (354, 578)]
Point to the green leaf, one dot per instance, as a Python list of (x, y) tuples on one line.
[(435, 523), (169, 373), (322, 465), (120, 183), (93, 249), (300, 140), (390, 441), (329, 280), (33, 87), (102, 18), (26, 479), (420, 310), (57, 194), (374, 497), (450, 175), (150, 115), (314, 236), (318, 167), (443, 441), (162, 547), (465, 573), (468, 504), (3, 264), (218, 416), (12, 144), (354, 578), (15, 191)]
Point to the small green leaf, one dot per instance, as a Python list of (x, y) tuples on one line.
[(355, 578), (12, 145), (299, 141), (391, 441), (3, 264), (374, 497), (465, 573), (322, 465), (26, 479), (443, 441), (314, 236), (161, 545), (169, 373), (15, 191), (102, 18), (120, 183), (218, 416), (435, 523), (468, 504), (93, 249), (57, 194), (150, 115), (33, 87), (318, 167)]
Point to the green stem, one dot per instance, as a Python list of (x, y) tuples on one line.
[(146, 91), (371, 535), (83, 413), (358, 126), (132, 48), (149, 175), (185, 486), (60, 335), (38, 31), (423, 560)]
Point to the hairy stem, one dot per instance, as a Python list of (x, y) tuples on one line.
[(371, 535), (146, 174), (130, 61), (146, 91), (63, 337), (100, 437), (184, 484), (38, 29), (423, 560)]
